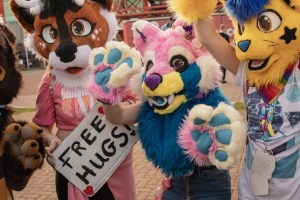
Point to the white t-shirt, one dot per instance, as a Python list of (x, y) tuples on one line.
[(285, 144)]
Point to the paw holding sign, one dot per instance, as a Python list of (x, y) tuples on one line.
[(24, 142), (213, 136), (112, 69)]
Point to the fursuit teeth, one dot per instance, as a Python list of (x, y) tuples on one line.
[(244, 10), (192, 10)]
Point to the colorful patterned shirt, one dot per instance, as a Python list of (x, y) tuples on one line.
[(282, 136)]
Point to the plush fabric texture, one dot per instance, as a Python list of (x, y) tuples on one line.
[(189, 10), (278, 36), (16, 166), (66, 43), (159, 135), (243, 10), (112, 67), (175, 81)]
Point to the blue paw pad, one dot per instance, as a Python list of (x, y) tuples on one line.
[(129, 62), (224, 136), (102, 78), (221, 155), (219, 119), (98, 59), (114, 56), (198, 121), (204, 141)]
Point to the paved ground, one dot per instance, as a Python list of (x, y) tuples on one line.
[(41, 186)]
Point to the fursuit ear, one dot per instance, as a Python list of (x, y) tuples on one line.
[(107, 4), (8, 33), (23, 11), (143, 33)]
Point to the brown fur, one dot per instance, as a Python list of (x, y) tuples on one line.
[(88, 11), (13, 173)]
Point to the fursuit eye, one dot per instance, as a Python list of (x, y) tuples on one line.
[(179, 63), (49, 34), (268, 21), (81, 27), (149, 65)]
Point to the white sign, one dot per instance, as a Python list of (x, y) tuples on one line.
[(92, 152)]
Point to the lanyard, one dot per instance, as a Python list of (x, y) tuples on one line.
[(266, 119)]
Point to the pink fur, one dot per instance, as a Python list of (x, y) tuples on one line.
[(170, 38), (186, 141), (162, 69), (218, 78), (113, 97)]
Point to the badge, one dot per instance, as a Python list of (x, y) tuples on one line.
[(262, 167)]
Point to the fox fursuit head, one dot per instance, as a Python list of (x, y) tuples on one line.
[(63, 32)]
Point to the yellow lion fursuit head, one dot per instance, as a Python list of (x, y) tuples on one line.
[(265, 62)]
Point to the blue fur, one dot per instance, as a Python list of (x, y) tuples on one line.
[(190, 80), (158, 134), (244, 10)]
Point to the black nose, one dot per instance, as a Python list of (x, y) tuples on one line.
[(66, 52)]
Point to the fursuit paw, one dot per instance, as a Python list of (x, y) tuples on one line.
[(25, 141), (113, 67), (193, 10), (213, 136)]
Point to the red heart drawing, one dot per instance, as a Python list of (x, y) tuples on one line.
[(100, 110), (89, 190)]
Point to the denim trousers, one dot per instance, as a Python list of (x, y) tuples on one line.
[(203, 184)]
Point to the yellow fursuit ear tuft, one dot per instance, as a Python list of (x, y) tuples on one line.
[(191, 10)]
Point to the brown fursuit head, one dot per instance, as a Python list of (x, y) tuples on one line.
[(63, 32), (16, 166)]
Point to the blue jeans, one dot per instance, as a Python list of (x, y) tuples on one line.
[(203, 184)]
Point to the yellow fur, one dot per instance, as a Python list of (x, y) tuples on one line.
[(192, 10), (296, 4), (270, 45), (271, 75), (171, 85)]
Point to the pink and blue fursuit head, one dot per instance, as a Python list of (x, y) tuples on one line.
[(186, 120)]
